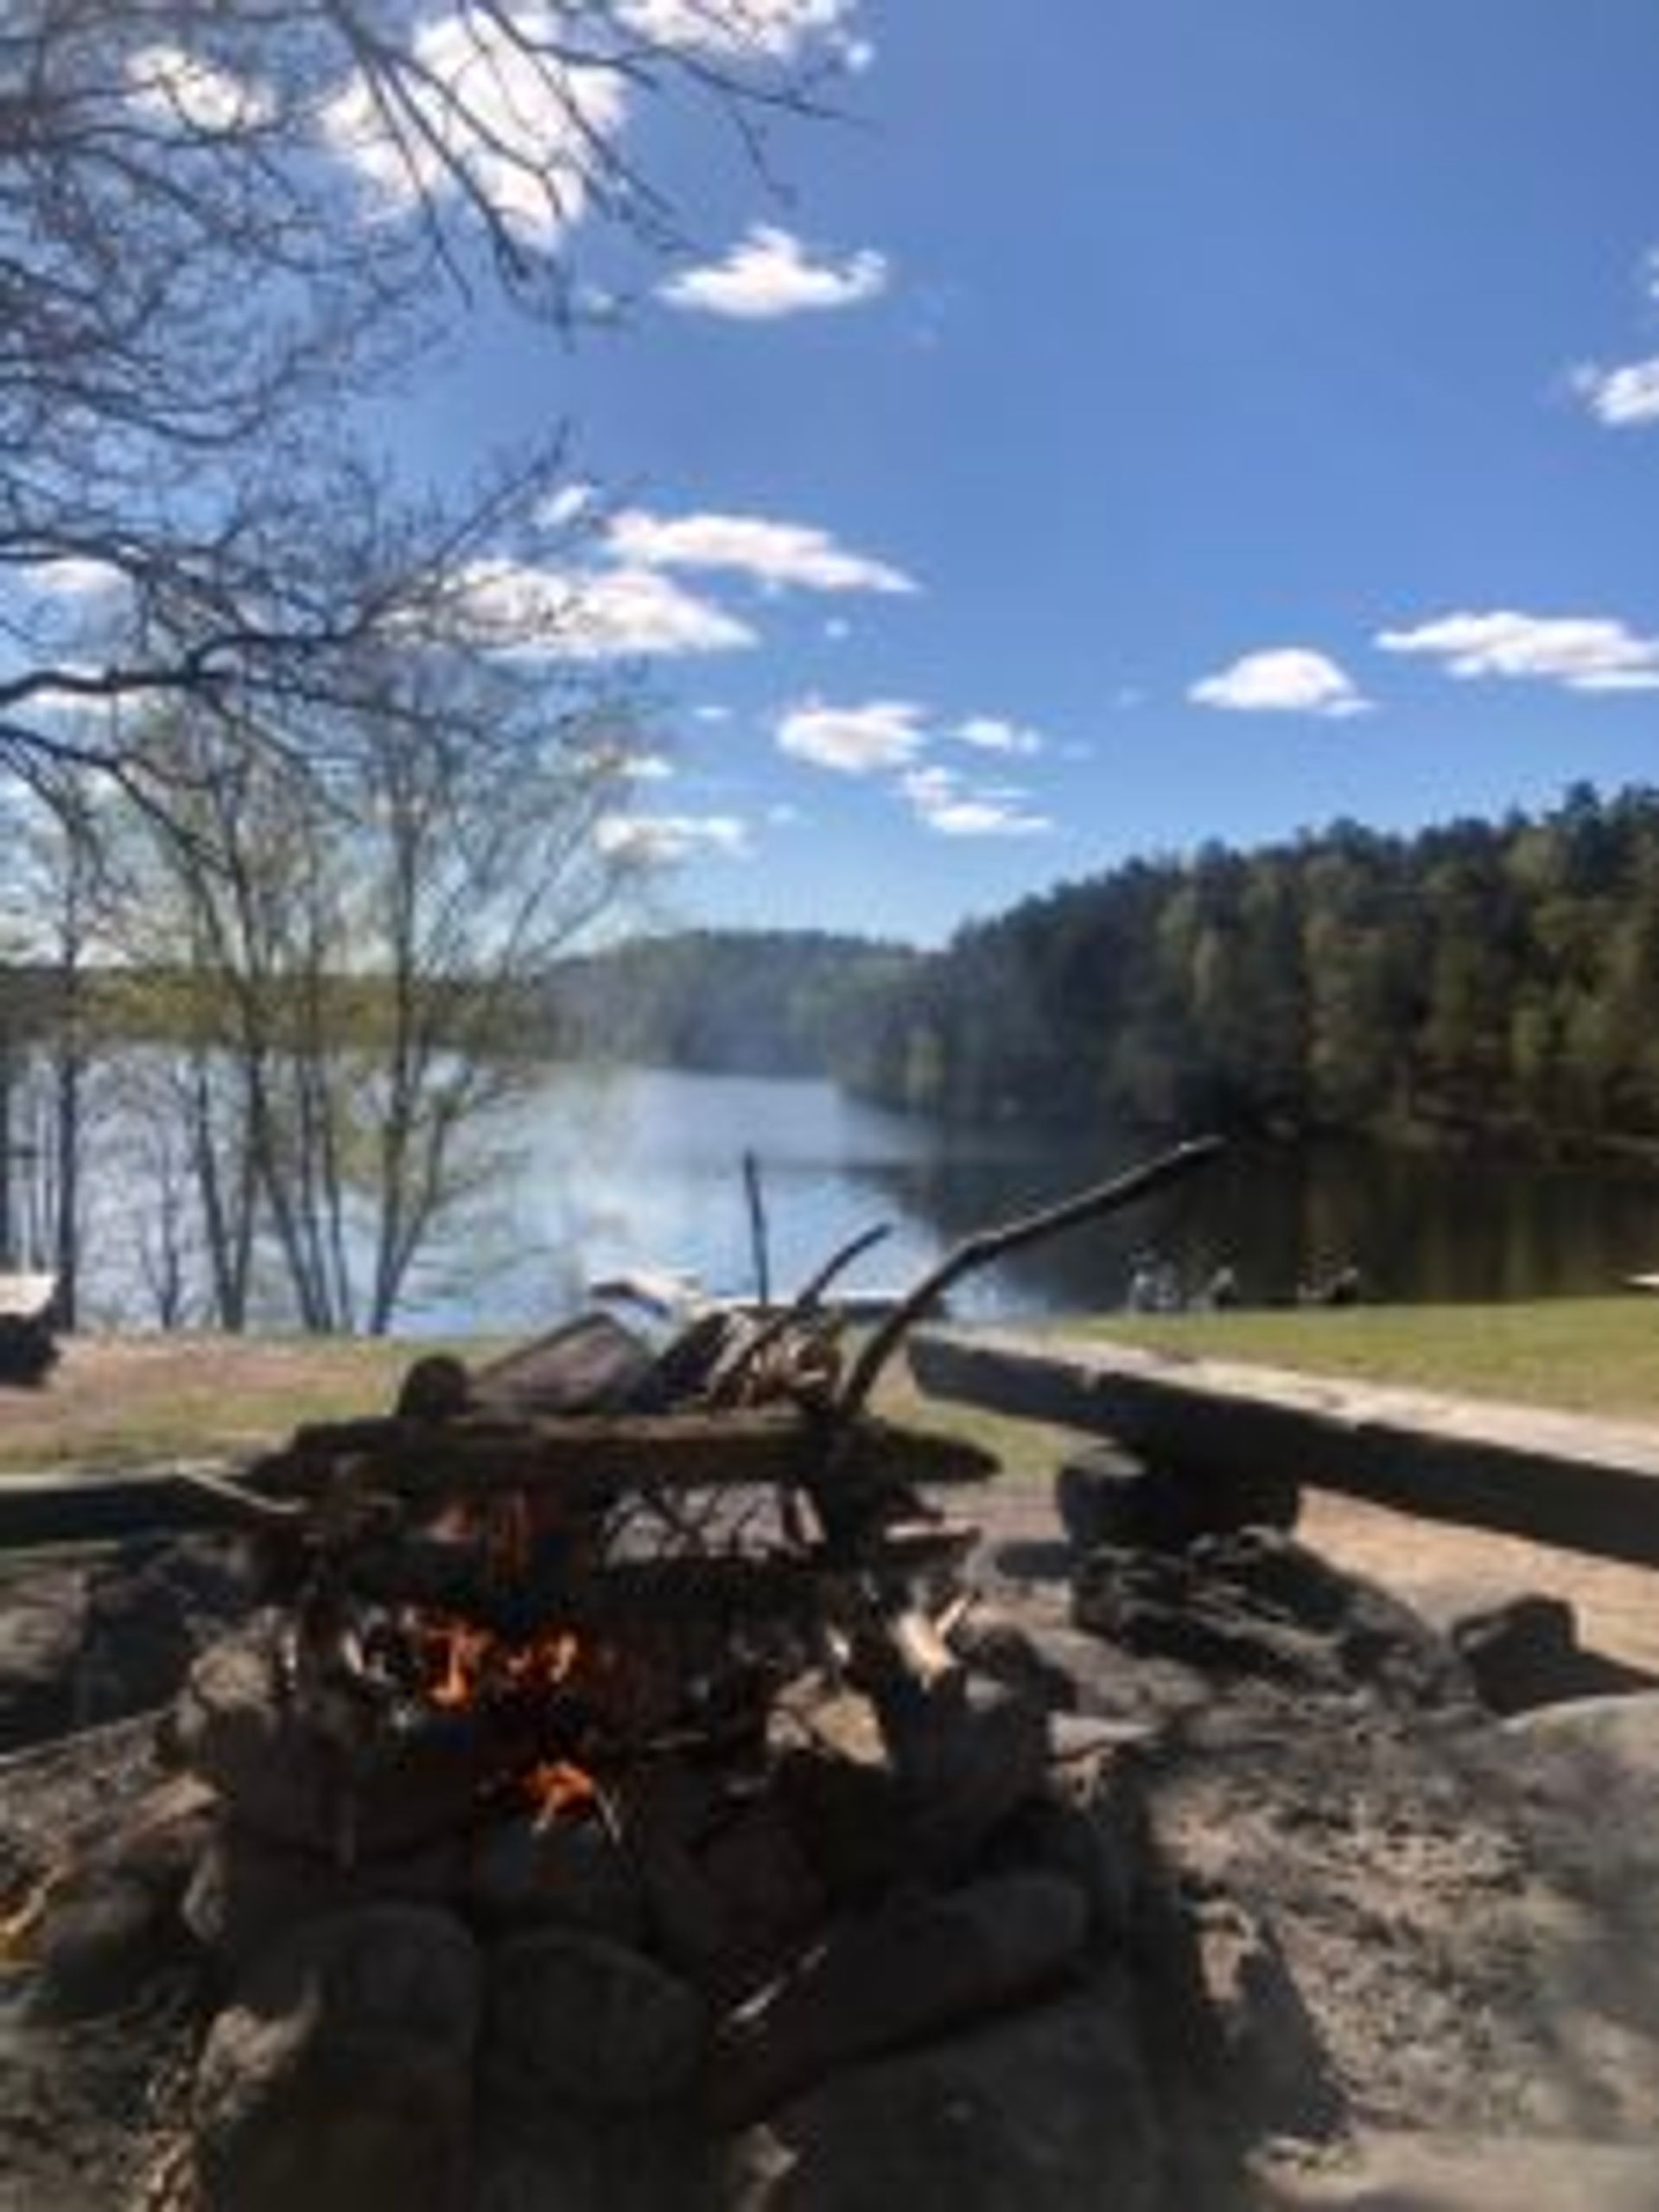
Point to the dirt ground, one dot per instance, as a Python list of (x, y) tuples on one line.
[(1444, 1571)]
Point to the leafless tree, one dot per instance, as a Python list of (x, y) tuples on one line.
[(223, 224), (350, 965), (220, 220)]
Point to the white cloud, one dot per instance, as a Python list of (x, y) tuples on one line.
[(770, 274), (929, 786), (944, 805), (648, 768), (991, 733), (1581, 652), (774, 554), (1624, 398), (662, 839), (1287, 679), (74, 577), (857, 740), (603, 614), (516, 122), (777, 29)]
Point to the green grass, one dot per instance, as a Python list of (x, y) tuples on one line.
[(129, 1401), (118, 1402), (1584, 1355)]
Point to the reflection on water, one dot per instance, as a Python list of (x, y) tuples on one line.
[(643, 1168)]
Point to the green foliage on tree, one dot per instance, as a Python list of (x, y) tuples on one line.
[(1499, 979)]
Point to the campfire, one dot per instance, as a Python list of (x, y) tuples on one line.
[(616, 1710)]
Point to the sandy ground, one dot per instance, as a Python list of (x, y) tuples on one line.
[(1445, 1571)]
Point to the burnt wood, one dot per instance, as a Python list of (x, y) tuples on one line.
[(589, 1455), (563, 1591)]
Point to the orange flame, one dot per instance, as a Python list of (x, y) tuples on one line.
[(469, 1664), (554, 1786)]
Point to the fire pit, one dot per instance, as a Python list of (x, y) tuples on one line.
[(613, 1766)]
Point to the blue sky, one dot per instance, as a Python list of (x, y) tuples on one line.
[(1135, 424)]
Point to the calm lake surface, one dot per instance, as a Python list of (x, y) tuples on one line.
[(644, 1167)]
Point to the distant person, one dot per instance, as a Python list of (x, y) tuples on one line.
[(1222, 1293), (1143, 1291), (1345, 1288)]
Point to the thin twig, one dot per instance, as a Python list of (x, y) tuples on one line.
[(804, 1302)]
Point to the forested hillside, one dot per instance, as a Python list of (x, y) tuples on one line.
[(1492, 978), (778, 1002)]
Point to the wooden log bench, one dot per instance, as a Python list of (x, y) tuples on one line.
[(1567, 1479)]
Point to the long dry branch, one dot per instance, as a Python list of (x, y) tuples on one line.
[(988, 1244), (585, 1456)]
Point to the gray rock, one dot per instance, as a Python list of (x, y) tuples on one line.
[(340, 2076), (151, 1610), (1048, 2111), (281, 1778), (42, 1625), (920, 1965), (1103, 1496), (566, 2159), (574, 2017), (1604, 1752), (851, 1816), (969, 1752), (568, 1873), (990, 1641), (116, 1920), (1259, 1604), (769, 1898), (246, 1892), (1091, 1826), (1525, 1653)]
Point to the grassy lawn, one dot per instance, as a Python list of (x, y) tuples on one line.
[(118, 1400), (129, 1400), (1585, 1355)]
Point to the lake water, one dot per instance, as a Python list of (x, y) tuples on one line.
[(644, 1167)]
